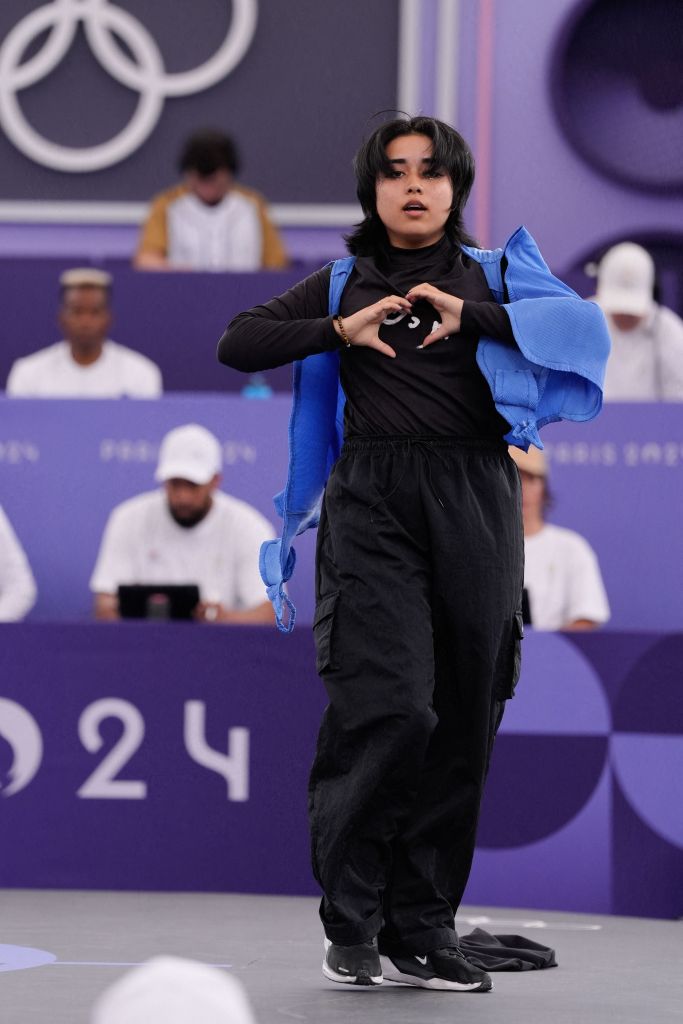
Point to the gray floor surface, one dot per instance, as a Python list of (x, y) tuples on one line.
[(618, 969)]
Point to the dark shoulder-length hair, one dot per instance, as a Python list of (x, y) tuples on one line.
[(209, 151), (449, 151)]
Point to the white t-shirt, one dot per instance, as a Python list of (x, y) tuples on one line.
[(646, 364), (227, 236), (142, 543), (53, 373), (17, 585), (562, 577)]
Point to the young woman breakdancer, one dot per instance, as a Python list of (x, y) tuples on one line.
[(442, 350)]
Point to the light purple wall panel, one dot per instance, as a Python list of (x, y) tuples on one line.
[(538, 179), (566, 824), (63, 465), (94, 243)]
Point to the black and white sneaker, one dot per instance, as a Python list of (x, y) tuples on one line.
[(353, 965), (445, 969)]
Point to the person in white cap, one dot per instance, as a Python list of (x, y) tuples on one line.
[(561, 572), (172, 990), (646, 361), (187, 532), (86, 363), (17, 585)]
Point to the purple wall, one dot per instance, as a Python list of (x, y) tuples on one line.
[(281, 98), (580, 813), (97, 243), (532, 172), (537, 178)]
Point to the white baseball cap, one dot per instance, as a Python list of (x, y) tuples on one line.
[(626, 278), (85, 277), (173, 990), (189, 453)]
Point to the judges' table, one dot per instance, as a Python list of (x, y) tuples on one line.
[(175, 319), (64, 465), (618, 480), (175, 756)]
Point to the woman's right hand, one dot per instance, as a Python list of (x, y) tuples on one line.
[(362, 328)]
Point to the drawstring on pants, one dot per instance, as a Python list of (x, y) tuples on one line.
[(393, 489), (426, 446)]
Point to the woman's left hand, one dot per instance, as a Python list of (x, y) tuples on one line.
[(448, 306)]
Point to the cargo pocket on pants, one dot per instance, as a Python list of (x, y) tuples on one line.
[(512, 661), (323, 627), (509, 667)]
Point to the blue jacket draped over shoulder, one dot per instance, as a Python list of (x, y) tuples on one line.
[(555, 372)]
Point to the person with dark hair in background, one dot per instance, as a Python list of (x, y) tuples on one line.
[(209, 222), (86, 363), (420, 547)]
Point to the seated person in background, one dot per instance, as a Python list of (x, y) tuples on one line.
[(17, 585), (86, 364), (209, 222), (646, 361), (187, 532), (561, 572)]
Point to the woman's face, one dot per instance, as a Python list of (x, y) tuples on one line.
[(414, 199)]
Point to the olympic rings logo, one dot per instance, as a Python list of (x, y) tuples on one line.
[(145, 73)]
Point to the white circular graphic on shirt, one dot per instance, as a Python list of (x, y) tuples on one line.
[(144, 73)]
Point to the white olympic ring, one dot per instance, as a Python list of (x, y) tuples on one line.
[(145, 73)]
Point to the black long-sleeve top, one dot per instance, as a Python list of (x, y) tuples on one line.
[(438, 390)]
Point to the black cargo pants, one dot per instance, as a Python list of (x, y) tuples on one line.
[(420, 563)]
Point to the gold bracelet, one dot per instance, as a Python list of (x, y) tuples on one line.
[(345, 337)]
